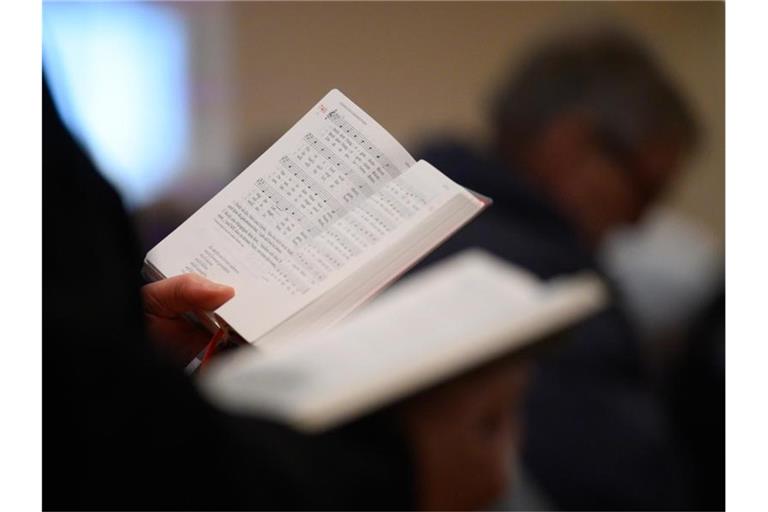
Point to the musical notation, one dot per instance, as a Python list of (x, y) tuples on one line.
[(331, 198)]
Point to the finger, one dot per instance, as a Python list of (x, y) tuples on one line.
[(187, 292)]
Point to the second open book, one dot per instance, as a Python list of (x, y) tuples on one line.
[(465, 312), (329, 215)]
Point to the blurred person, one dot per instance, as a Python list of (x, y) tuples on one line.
[(587, 134), (670, 275), (124, 427)]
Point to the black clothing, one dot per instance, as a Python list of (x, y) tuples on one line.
[(121, 428), (698, 400), (596, 434)]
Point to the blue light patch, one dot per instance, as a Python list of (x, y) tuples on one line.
[(118, 74)]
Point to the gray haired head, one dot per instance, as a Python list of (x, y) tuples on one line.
[(605, 75)]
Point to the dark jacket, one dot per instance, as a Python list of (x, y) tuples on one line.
[(597, 436), (124, 430)]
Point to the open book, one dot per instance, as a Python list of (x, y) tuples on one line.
[(438, 323), (329, 215)]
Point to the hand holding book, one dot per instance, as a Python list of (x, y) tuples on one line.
[(166, 302)]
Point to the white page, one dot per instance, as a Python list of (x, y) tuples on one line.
[(329, 194), (376, 274), (467, 310)]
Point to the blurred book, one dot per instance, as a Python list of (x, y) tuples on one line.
[(324, 219), (439, 323)]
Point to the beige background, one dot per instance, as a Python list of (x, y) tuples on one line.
[(423, 69)]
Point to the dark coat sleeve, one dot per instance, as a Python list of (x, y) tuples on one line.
[(124, 430)]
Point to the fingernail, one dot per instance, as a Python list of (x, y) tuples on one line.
[(217, 287)]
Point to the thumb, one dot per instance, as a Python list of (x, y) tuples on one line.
[(187, 292)]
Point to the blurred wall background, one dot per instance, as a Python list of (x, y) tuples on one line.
[(421, 69)]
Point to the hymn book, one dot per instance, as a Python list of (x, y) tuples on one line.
[(327, 217)]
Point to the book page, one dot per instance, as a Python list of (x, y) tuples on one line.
[(469, 309), (336, 304), (330, 193)]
